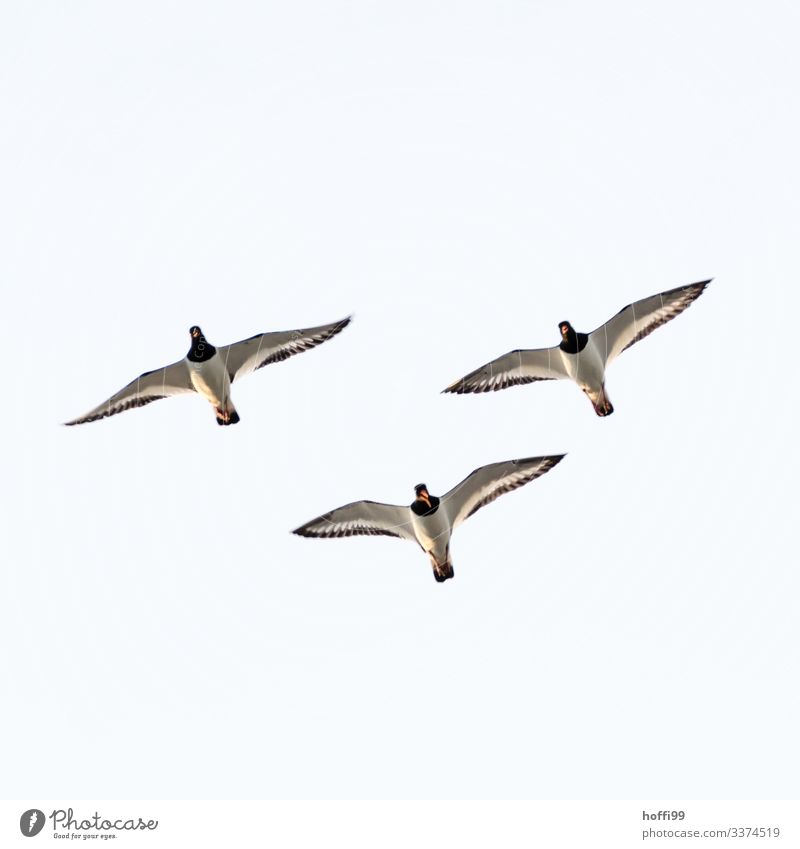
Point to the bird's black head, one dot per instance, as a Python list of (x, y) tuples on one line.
[(425, 503), (200, 350), (571, 342), (422, 494)]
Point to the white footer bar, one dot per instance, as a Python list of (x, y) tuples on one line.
[(402, 825)]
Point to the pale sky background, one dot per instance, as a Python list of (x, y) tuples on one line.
[(462, 176)]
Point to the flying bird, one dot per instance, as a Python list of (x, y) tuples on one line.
[(430, 520), (582, 357), (210, 371)]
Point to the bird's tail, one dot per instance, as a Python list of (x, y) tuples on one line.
[(442, 571), (227, 416), (602, 406)]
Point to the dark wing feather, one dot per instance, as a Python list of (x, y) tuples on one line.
[(513, 368), (487, 483), (641, 318), (148, 387), (361, 518), (261, 350)]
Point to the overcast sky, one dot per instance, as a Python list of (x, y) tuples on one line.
[(461, 176)]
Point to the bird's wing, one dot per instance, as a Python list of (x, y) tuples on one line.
[(150, 386), (489, 482), (512, 368), (247, 356), (641, 318), (361, 518)]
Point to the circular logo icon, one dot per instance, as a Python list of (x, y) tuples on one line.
[(31, 822)]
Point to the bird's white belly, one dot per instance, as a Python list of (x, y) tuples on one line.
[(586, 367), (432, 532), (211, 380)]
